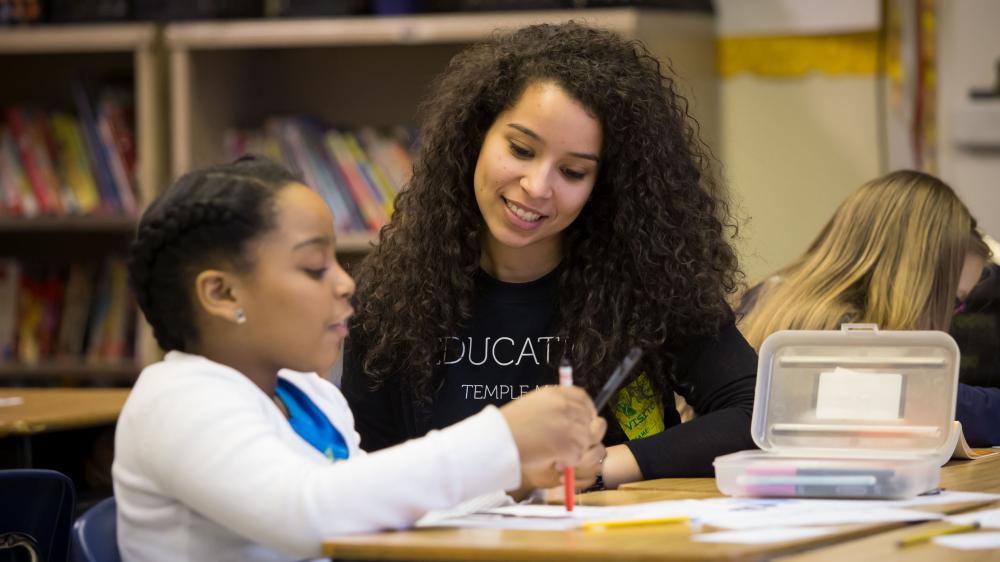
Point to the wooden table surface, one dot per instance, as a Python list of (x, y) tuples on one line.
[(53, 409), (669, 543)]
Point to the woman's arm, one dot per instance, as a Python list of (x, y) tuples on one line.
[(722, 375)]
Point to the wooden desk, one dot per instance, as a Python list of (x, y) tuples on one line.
[(704, 486), (982, 475), (883, 548), (655, 543), (52, 409)]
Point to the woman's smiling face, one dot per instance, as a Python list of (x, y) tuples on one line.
[(537, 167)]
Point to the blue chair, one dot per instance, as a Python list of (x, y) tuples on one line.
[(36, 512), (94, 534)]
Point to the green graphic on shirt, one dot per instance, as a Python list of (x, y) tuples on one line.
[(638, 409)]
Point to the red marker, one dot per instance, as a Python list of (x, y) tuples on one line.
[(566, 379)]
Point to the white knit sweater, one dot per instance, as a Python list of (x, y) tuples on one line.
[(207, 468)]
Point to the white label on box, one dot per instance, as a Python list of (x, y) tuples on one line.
[(844, 394)]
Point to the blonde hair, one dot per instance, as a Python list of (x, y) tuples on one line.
[(891, 255)]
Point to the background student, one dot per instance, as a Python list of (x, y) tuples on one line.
[(562, 205), (232, 448), (901, 252)]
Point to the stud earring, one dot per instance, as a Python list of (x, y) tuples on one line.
[(241, 317)]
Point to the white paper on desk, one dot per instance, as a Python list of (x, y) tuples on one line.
[(479, 503), (495, 521), (737, 513), (988, 518), (762, 536), (529, 517), (11, 401), (943, 497), (599, 513), (970, 541)]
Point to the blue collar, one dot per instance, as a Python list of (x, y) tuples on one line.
[(310, 422)]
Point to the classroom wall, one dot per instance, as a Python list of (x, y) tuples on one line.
[(792, 147), (968, 54)]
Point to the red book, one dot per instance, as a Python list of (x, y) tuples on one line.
[(32, 168)]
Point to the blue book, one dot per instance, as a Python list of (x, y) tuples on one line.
[(95, 149)]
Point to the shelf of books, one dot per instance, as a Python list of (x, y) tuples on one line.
[(82, 150), (336, 99)]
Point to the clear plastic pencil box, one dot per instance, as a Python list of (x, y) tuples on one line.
[(854, 413)]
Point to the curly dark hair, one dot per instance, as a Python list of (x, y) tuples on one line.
[(207, 217), (646, 263)]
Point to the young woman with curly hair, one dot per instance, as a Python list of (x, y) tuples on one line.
[(902, 252), (561, 205)]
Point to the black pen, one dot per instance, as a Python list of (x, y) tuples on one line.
[(617, 378)]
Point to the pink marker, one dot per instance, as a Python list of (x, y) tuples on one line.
[(566, 379)]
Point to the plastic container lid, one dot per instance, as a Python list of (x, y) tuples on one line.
[(857, 391)]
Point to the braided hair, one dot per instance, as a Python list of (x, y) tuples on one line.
[(205, 218)]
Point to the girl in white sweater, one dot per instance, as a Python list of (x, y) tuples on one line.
[(232, 447)]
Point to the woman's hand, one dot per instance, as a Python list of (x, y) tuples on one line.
[(553, 427), (585, 471), (589, 467), (620, 467)]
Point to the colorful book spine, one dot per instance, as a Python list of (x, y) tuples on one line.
[(47, 154), (24, 142), (335, 183), (373, 176), (74, 163), (374, 214), (306, 134), (10, 282), (98, 157), (120, 147), (119, 172), (18, 198)]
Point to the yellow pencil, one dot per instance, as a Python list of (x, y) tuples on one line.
[(601, 525), (918, 538)]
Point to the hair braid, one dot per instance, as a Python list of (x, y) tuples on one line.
[(204, 219), (185, 220)]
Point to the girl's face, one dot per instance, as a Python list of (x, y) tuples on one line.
[(536, 168), (296, 297)]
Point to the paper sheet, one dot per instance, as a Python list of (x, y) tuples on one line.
[(11, 401), (479, 503), (530, 517), (970, 541), (943, 497), (963, 451), (726, 513), (988, 518), (804, 516), (761, 536)]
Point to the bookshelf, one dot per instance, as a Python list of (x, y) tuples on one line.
[(366, 70), (351, 72), (39, 65), (45, 58)]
